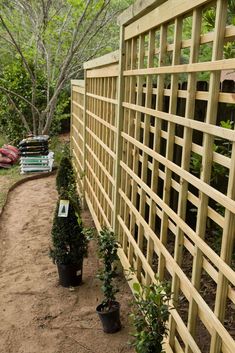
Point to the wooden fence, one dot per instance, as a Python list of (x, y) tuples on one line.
[(159, 169)]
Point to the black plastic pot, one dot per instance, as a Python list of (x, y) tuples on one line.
[(70, 275), (110, 319)]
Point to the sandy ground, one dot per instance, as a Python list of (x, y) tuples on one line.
[(36, 314)]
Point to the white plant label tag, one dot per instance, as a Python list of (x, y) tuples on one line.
[(63, 208), (79, 272)]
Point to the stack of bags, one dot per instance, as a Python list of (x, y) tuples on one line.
[(9, 155), (35, 154)]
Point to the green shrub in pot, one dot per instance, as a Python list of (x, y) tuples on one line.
[(69, 244), (150, 315), (109, 309)]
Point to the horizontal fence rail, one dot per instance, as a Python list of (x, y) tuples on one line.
[(153, 141)]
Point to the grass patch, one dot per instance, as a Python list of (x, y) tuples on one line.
[(2, 140), (8, 177)]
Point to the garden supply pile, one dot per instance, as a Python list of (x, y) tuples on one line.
[(9, 155), (38, 315), (35, 154)]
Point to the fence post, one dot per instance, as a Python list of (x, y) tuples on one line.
[(119, 125), (71, 119), (84, 204)]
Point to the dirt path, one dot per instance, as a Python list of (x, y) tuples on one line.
[(36, 314)]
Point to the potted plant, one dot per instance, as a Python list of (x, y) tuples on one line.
[(150, 315), (109, 309), (69, 243)]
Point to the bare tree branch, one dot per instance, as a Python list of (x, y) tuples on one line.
[(24, 121), (51, 107), (71, 52), (73, 48), (92, 36), (19, 96), (7, 40), (60, 40)]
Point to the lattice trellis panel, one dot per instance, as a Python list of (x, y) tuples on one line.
[(160, 161), (101, 93), (176, 215), (77, 129)]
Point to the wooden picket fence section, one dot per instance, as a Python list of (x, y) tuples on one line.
[(133, 157)]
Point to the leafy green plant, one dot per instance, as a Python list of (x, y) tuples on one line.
[(196, 163), (220, 146), (150, 315), (218, 179), (107, 252), (69, 238), (57, 146)]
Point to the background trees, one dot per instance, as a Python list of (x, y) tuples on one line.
[(43, 45)]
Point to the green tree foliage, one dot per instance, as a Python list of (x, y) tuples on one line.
[(209, 25), (10, 123), (48, 41), (14, 109), (218, 172), (218, 180)]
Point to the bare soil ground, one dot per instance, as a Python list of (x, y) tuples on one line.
[(36, 314)]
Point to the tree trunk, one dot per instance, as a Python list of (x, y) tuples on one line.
[(50, 115)]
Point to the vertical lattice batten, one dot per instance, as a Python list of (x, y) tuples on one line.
[(168, 177), (119, 127), (170, 143), (148, 104), (208, 150), (136, 153), (226, 255), (157, 127), (84, 141), (126, 149), (186, 152), (229, 228), (143, 239), (130, 151)]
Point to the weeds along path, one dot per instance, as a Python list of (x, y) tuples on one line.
[(36, 314)]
